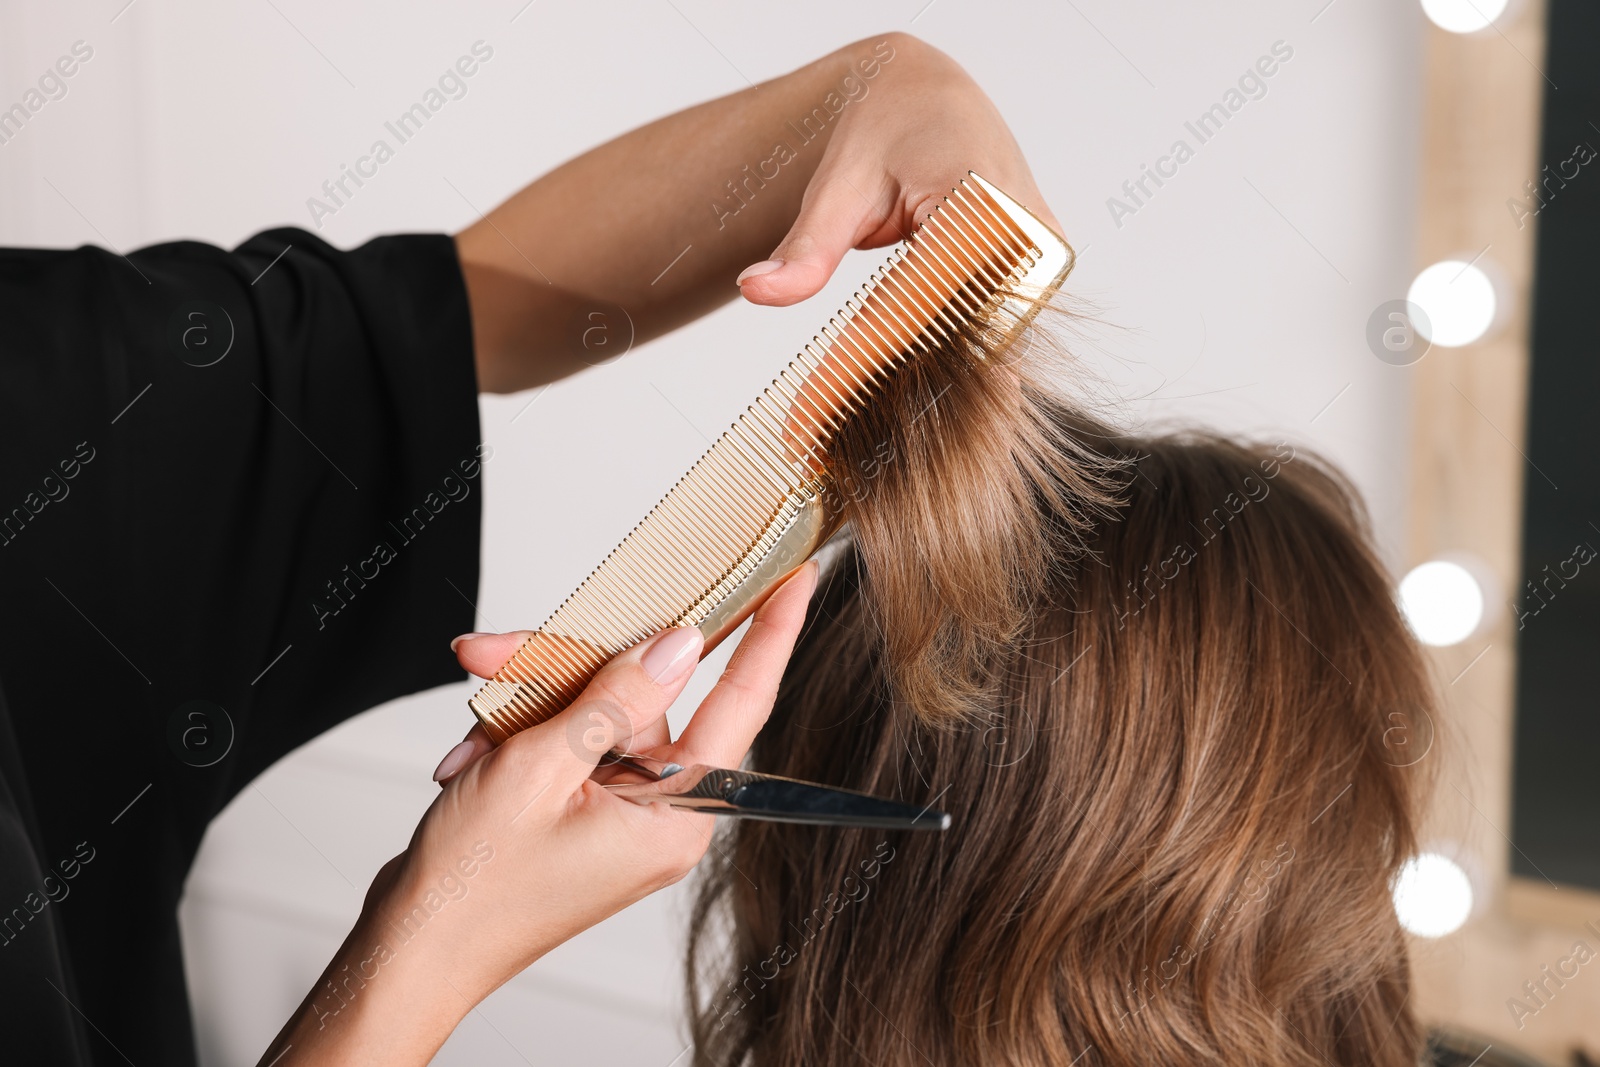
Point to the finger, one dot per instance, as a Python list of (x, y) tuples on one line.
[(629, 695), (645, 740), (473, 747), (651, 737), (731, 715), (835, 216), (484, 654)]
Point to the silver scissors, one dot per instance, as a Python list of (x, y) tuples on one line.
[(746, 794)]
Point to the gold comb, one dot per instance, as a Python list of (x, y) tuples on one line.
[(761, 500)]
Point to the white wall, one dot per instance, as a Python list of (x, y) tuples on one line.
[(1241, 291)]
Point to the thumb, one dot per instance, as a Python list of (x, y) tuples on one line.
[(627, 696), (835, 216)]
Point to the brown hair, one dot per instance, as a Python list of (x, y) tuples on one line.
[(1161, 736)]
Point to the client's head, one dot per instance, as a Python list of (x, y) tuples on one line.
[(1150, 679)]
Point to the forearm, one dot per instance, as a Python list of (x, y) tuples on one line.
[(380, 1001), (648, 231)]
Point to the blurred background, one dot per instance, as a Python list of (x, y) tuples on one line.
[(1345, 261)]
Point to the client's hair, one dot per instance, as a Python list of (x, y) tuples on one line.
[(1150, 679)]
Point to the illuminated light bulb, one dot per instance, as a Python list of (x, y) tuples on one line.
[(1442, 602), (1463, 16), (1459, 301), (1432, 895)]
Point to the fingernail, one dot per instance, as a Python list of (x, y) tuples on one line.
[(455, 759), (808, 573), (673, 654), (755, 270), (454, 644)]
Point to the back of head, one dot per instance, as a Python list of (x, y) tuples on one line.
[(1175, 825)]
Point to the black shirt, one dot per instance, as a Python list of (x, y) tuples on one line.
[(238, 504)]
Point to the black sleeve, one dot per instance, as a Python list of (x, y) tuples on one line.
[(239, 502)]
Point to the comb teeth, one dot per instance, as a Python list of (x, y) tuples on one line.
[(755, 506)]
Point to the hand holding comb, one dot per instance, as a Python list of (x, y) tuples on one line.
[(762, 499)]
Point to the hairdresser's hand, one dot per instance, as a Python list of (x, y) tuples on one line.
[(905, 138), (648, 231), (525, 848)]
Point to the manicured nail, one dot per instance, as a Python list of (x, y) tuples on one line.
[(755, 270), (453, 760), (808, 574), (673, 655), (464, 637)]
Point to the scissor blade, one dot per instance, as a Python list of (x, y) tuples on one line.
[(787, 800), (764, 796)]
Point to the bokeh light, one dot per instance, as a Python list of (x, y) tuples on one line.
[(1442, 602), (1459, 300), (1432, 895), (1463, 16)]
